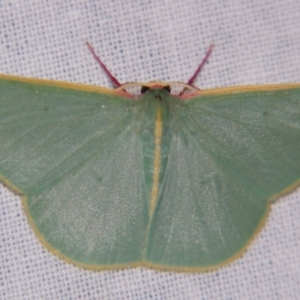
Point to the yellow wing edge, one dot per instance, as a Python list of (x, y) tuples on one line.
[(62, 84), (250, 88), (99, 89), (158, 267)]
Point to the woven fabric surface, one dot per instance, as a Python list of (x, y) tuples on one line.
[(256, 42)]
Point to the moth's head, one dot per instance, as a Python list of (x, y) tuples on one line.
[(176, 89)]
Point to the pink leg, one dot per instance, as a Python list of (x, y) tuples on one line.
[(208, 53), (113, 79)]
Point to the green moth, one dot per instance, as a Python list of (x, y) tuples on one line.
[(161, 175)]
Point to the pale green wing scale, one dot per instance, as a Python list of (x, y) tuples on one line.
[(230, 153)]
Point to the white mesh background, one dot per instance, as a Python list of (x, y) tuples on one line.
[(256, 42)]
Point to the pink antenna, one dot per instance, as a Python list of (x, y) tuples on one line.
[(113, 79), (208, 53)]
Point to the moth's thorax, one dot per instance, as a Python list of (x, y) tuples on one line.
[(155, 111)]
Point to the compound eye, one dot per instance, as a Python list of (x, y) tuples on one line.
[(167, 88), (144, 89)]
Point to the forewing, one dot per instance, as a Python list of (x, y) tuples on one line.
[(229, 156), (77, 158)]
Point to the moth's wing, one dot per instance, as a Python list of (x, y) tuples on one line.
[(229, 156), (76, 158)]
